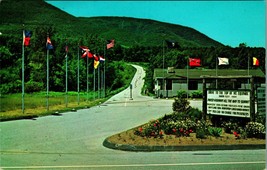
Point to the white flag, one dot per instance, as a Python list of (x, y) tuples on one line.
[(223, 61)]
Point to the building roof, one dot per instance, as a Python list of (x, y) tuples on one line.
[(200, 73)]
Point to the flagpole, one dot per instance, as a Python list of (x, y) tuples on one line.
[(94, 83), (87, 79), (66, 77), (187, 77), (78, 76), (47, 79), (98, 81), (248, 66), (216, 72), (248, 63), (104, 81), (163, 69), (22, 70)]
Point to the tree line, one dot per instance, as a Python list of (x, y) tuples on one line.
[(116, 58)]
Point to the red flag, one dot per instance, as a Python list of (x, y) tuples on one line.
[(26, 37), (194, 62), (86, 52), (255, 62), (96, 58), (49, 45), (110, 44)]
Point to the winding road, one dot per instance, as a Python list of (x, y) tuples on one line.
[(74, 140)]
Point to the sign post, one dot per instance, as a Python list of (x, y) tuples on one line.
[(131, 92)]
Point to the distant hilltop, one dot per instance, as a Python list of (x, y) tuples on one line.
[(127, 31)]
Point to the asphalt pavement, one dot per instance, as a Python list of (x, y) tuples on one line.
[(74, 139)]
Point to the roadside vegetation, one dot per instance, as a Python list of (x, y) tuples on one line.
[(35, 102), (136, 40)]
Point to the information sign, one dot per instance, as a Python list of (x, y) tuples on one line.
[(261, 105), (235, 103)]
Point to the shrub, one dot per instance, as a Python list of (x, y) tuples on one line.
[(255, 129), (202, 129), (200, 133), (181, 94), (180, 105), (196, 94), (32, 86), (214, 131), (229, 126), (194, 114)]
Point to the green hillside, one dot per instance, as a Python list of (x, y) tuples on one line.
[(126, 31), (136, 40)]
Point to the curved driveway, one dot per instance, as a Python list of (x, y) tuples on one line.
[(74, 140)]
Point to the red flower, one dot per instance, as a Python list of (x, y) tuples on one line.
[(236, 134), (174, 130), (187, 132), (141, 129), (161, 133), (190, 130), (155, 124), (181, 130)]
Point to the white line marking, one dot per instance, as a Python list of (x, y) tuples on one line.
[(132, 165)]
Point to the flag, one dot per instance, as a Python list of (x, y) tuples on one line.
[(86, 52), (96, 61), (194, 62), (172, 44), (26, 37), (110, 44), (102, 59), (49, 45), (223, 61), (255, 62)]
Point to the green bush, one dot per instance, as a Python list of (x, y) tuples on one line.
[(213, 131), (255, 129), (32, 86), (196, 94), (180, 105), (194, 114), (202, 129), (181, 94), (229, 126), (200, 133)]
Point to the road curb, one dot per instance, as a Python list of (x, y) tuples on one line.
[(137, 148)]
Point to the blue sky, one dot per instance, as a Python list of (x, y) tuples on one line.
[(229, 22)]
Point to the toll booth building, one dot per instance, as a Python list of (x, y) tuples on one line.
[(167, 82)]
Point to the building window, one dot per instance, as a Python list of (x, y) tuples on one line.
[(192, 85), (168, 84)]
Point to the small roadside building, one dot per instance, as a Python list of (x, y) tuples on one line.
[(167, 82)]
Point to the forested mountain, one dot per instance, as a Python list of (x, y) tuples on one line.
[(127, 31), (136, 40)]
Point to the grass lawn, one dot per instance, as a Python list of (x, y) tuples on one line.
[(35, 104)]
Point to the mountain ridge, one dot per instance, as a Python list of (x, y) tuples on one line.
[(127, 31)]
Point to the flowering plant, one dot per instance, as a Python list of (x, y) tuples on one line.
[(229, 126), (255, 129), (237, 136)]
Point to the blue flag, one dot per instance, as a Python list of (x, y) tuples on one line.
[(49, 45)]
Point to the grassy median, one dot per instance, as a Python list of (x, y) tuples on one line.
[(35, 104)]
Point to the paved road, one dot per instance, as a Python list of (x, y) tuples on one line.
[(74, 140)]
